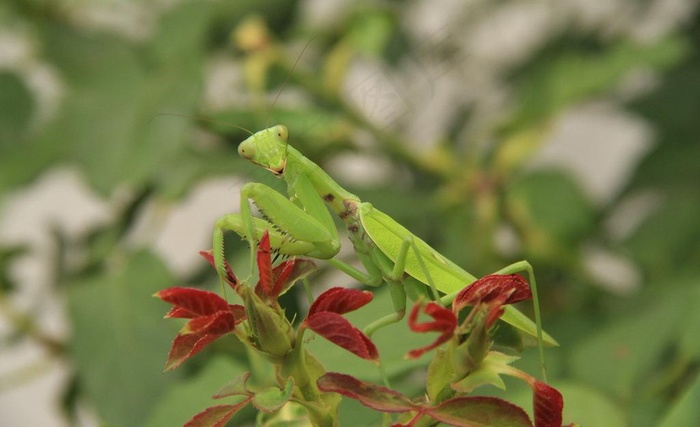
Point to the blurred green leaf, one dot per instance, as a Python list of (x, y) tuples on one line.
[(621, 357), (17, 105), (16, 108), (189, 397), (667, 240), (371, 30), (685, 412), (119, 344), (108, 124), (672, 109), (551, 210), (568, 75)]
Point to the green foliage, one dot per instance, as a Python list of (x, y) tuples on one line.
[(132, 113)]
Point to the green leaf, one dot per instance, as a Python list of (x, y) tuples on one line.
[(119, 344), (570, 75), (667, 240), (235, 387), (689, 343), (620, 357), (271, 399), (685, 411), (16, 108), (488, 372), (186, 398), (109, 124), (551, 209)]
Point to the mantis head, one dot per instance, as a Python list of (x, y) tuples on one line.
[(267, 148)]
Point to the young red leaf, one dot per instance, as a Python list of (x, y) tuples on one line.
[(338, 330), (289, 272), (340, 300), (216, 416), (548, 405), (238, 312), (180, 313), (371, 395), (492, 287), (230, 277), (186, 346), (445, 322), (218, 323), (264, 260), (479, 411), (197, 301)]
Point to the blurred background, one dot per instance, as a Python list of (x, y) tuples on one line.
[(562, 132)]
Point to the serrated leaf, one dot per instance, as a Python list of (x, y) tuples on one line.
[(480, 412), (548, 404), (235, 387), (215, 416), (488, 372), (272, 399), (196, 301), (371, 395), (338, 330), (340, 300)]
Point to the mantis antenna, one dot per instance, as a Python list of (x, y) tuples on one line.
[(204, 119), (284, 85)]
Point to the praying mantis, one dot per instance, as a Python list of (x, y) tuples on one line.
[(302, 225)]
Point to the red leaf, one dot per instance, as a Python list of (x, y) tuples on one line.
[(230, 277), (193, 300), (238, 312), (340, 300), (265, 264), (216, 416), (492, 287), (445, 322), (340, 332), (371, 395), (479, 411), (180, 313), (289, 272), (186, 346), (218, 323), (548, 405)]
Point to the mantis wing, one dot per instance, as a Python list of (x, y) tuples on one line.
[(448, 277)]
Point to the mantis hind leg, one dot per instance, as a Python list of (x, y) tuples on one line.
[(524, 266)]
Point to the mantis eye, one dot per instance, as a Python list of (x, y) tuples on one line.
[(246, 150), (282, 132)]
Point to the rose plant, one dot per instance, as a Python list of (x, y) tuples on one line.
[(464, 358)]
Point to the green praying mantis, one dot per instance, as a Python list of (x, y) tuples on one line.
[(302, 225)]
